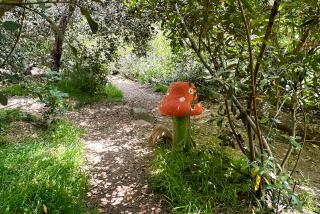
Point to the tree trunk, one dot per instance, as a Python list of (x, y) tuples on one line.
[(59, 37)]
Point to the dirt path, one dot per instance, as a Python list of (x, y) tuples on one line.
[(117, 152)]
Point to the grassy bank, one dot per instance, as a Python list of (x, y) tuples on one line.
[(41, 171)]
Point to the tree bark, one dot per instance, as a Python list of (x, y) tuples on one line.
[(59, 37)]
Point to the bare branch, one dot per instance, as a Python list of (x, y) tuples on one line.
[(273, 14)]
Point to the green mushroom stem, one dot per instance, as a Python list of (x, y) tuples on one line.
[(181, 133)]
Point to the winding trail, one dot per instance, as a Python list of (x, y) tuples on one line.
[(117, 152)]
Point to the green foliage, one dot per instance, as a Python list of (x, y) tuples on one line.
[(160, 88), (15, 90), (109, 93), (156, 66), (112, 93), (43, 173), (90, 74), (8, 116), (49, 94), (3, 99), (202, 181)]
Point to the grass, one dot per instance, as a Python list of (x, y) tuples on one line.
[(43, 174), (160, 88), (108, 93), (15, 90), (112, 93), (202, 181)]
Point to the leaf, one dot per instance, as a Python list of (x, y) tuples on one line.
[(294, 143), (93, 24), (247, 5), (257, 183), (3, 100), (11, 25), (74, 50), (45, 209)]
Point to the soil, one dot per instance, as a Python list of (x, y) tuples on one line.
[(118, 153)]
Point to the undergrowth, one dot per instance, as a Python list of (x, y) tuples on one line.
[(203, 181), (160, 88), (108, 92), (42, 173)]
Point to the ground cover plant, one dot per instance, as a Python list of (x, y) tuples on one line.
[(41, 172), (206, 180)]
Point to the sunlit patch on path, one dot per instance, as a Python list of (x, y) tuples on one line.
[(117, 153), (28, 105)]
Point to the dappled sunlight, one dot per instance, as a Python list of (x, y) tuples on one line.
[(28, 105), (117, 156)]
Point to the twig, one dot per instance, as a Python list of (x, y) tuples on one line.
[(303, 141), (193, 43), (234, 132), (293, 135)]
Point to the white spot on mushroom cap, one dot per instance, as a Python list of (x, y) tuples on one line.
[(191, 91), (182, 99)]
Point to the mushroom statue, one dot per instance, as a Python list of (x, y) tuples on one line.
[(181, 103)]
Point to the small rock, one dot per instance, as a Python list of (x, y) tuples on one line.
[(142, 114), (141, 123)]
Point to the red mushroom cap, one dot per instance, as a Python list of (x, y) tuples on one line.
[(181, 100)]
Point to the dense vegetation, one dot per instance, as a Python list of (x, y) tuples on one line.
[(256, 61)]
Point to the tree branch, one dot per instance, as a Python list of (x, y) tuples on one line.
[(274, 12), (253, 86)]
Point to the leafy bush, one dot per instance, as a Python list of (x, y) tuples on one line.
[(90, 74), (49, 94), (156, 66)]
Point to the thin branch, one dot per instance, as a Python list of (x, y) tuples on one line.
[(253, 83), (273, 14), (234, 132), (293, 135), (193, 43), (252, 124), (303, 140)]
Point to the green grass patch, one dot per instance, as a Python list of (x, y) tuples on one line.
[(108, 93), (160, 88), (11, 115), (202, 181), (112, 92), (43, 173), (15, 90)]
